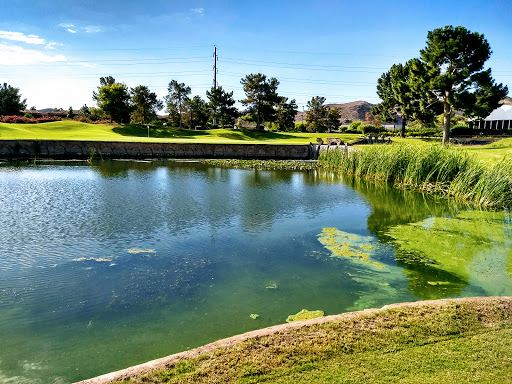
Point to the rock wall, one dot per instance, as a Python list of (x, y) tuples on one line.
[(74, 149)]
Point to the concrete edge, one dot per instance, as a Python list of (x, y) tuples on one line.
[(281, 328)]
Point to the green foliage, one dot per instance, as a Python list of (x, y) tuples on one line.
[(261, 98), (333, 119), (369, 128), (450, 74), (10, 101), (354, 126), (175, 100), (145, 105), (431, 168), (199, 113), (317, 115), (70, 113), (113, 99), (83, 112), (299, 127), (221, 107), (285, 114), (28, 115)]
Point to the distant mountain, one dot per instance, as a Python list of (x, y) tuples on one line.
[(46, 110), (507, 101), (353, 111)]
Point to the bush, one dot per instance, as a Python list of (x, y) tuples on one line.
[(354, 126), (28, 115), (299, 127), (368, 128)]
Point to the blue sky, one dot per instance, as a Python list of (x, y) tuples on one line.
[(55, 51)]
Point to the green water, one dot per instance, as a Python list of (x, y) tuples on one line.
[(111, 265)]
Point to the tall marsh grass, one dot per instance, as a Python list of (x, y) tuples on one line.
[(432, 168)]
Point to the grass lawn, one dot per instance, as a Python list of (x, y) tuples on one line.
[(72, 130), (453, 342)]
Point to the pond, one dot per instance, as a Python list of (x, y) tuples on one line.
[(113, 264)]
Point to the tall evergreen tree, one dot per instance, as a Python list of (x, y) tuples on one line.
[(285, 113), (316, 115), (175, 99), (145, 104), (198, 109), (261, 98), (221, 106), (399, 98), (451, 74)]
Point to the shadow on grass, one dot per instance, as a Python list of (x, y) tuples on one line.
[(137, 130), (157, 131)]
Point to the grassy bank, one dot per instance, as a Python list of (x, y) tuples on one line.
[(73, 130), (448, 342), (266, 165), (449, 171)]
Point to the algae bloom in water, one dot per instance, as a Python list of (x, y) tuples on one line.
[(254, 316), (343, 244), (304, 315), (137, 250)]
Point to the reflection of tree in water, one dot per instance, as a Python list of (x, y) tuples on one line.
[(392, 207), (437, 242)]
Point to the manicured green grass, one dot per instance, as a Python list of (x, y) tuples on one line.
[(72, 130), (448, 343)]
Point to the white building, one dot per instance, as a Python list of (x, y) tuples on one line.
[(500, 118)]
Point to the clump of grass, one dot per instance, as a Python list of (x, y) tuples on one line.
[(304, 315), (266, 165), (432, 168)]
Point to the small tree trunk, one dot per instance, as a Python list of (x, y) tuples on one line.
[(402, 131), (446, 124)]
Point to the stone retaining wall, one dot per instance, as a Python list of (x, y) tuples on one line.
[(74, 149)]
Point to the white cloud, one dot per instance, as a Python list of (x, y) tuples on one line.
[(19, 36), (72, 28), (52, 45), (13, 55), (197, 11), (91, 29)]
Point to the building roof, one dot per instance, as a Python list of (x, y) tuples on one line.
[(502, 113)]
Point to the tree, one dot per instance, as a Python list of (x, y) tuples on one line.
[(175, 100), (221, 106), (450, 73), (70, 113), (261, 98), (10, 101), (333, 119), (83, 111), (316, 115), (198, 110), (113, 99), (285, 114), (398, 97), (145, 105)]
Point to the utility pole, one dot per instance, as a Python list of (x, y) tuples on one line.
[(215, 57)]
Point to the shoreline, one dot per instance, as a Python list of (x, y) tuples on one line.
[(168, 361)]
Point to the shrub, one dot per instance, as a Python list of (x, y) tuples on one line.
[(28, 115), (369, 128), (299, 127), (354, 126)]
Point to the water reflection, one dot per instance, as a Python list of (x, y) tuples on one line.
[(76, 301)]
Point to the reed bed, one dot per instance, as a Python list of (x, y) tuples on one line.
[(448, 171)]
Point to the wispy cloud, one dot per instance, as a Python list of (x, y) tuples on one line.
[(198, 11), (14, 55), (72, 28), (19, 36)]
